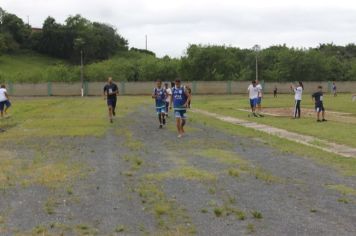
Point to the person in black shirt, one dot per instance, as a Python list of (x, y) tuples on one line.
[(111, 91), (319, 106)]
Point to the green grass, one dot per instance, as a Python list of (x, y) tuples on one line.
[(335, 131), (26, 66), (345, 190), (346, 166)]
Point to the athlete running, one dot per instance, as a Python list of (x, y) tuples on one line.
[(180, 99), (110, 92), (159, 94), (168, 98), (253, 95), (4, 100)]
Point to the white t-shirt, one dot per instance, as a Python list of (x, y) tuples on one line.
[(252, 91), (259, 87), (169, 93), (298, 93), (2, 94)]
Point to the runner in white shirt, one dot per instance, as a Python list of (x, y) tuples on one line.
[(4, 100), (298, 91), (168, 98), (253, 96)]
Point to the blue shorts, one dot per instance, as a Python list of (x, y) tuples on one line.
[(6, 103), (180, 114), (253, 102), (161, 110), (259, 100), (112, 102)]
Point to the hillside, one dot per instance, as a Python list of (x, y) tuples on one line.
[(27, 66)]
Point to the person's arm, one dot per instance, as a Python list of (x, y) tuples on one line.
[(189, 97), (105, 92), (7, 96), (154, 94), (117, 91), (171, 101)]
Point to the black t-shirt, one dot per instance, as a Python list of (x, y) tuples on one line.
[(111, 90), (318, 97)]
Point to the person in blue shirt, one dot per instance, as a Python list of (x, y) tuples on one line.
[(160, 95), (180, 99)]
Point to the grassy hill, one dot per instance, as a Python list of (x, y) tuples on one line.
[(28, 66), (32, 67)]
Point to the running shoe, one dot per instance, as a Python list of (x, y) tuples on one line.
[(323, 120), (254, 114), (318, 120), (160, 126)]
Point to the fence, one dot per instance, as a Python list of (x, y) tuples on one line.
[(143, 88)]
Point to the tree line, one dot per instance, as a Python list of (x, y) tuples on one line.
[(106, 53)]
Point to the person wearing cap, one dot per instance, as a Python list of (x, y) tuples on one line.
[(180, 99), (110, 92)]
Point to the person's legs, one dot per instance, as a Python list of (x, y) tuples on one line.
[(298, 108), (110, 113), (7, 106), (2, 104), (114, 106)]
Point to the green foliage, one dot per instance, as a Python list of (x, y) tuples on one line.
[(327, 62)]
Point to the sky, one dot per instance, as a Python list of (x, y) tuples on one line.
[(171, 25)]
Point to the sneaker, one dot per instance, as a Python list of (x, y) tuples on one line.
[(323, 120), (160, 126), (318, 120), (111, 121), (179, 136), (164, 121)]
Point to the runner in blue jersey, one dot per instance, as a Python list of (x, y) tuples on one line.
[(160, 94), (180, 99)]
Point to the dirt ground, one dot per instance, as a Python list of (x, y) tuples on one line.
[(140, 180)]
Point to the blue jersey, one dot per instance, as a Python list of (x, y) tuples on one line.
[(179, 98), (161, 96)]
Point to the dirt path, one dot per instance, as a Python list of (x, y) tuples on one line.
[(339, 149), (141, 180)]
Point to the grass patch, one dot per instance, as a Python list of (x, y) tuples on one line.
[(334, 131), (120, 229), (184, 172), (223, 156), (346, 166), (257, 215), (250, 228), (342, 189)]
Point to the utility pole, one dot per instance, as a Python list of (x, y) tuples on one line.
[(81, 71), (256, 48), (146, 42)]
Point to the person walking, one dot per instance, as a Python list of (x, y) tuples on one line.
[(298, 92), (111, 91), (253, 96), (168, 97)]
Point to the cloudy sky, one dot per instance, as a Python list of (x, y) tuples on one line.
[(171, 25)]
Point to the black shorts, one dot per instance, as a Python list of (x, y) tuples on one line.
[(319, 107), (111, 102)]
